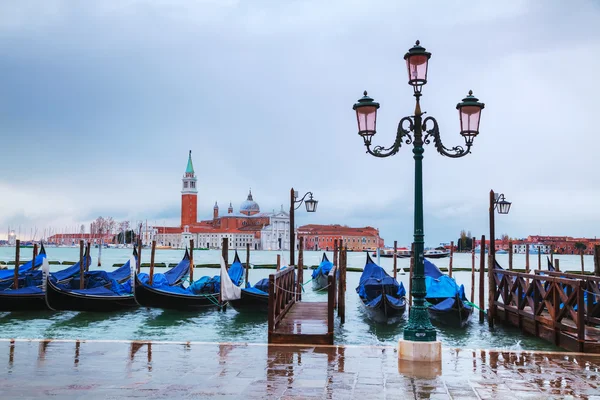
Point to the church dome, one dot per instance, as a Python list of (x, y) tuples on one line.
[(249, 207)]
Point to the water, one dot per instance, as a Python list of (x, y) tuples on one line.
[(231, 326)]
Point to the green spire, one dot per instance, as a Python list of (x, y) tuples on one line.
[(190, 166)]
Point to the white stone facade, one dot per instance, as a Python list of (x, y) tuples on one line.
[(276, 235)]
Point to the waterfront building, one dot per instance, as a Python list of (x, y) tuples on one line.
[(322, 237), (72, 239), (545, 244), (262, 230)]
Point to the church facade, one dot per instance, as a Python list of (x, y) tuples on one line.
[(263, 231)]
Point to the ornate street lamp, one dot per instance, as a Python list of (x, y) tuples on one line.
[(497, 201), (418, 131), (311, 206)]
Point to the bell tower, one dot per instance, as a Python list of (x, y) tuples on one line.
[(189, 195)]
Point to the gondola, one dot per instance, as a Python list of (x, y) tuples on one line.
[(200, 294), (448, 304), (253, 298), (7, 276), (103, 291), (382, 297), (31, 296), (319, 275)]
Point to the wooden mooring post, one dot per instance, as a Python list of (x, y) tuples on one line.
[(482, 279), (16, 276), (527, 258), (342, 289), (597, 260), (473, 271), (582, 262), (81, 269), (335, 252), (247, 263), (510, 256), (35, 251), (191, 261), (87, 253), (395, 259), (539, 257), (151, 275), (225, 251), (139, 259), (278, 262), (300, 268), (451, 258), (552, 253), (557, 264)]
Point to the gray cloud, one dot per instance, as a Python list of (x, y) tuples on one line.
[(101, 102)]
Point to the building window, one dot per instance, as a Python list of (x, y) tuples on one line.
[(192, 184), (185, 184)]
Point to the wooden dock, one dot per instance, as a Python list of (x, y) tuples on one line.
[(293, 321), (560, 308)]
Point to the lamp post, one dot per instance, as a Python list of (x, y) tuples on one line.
[(311, 206), (424, 130), (497, 201)]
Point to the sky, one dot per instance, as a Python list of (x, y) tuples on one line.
[(100, 103)]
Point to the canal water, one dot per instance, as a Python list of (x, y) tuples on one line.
[(231, 326)]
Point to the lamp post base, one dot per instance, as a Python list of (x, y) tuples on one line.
[(420, 351)]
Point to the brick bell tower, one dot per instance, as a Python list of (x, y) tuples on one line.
[(189, 195)]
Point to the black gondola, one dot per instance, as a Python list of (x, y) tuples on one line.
[(103, 292), (448, 304), (382, 297), (200, 294), (7, 276), (32, 297), (319, 275), (253, 299)]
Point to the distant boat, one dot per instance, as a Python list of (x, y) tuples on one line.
[(382, 297), (402, 252), (437, 253)]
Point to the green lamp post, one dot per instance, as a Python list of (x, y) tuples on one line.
[(418, 131)]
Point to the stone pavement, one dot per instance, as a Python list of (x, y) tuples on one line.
[(123, 370)]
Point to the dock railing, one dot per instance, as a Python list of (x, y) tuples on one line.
[(282, 295), (545, 306), (591, 287), (332, 279)]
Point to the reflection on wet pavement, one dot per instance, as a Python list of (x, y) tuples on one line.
[(105, 369)]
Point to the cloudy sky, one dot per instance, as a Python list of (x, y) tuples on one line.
[(100, 103)]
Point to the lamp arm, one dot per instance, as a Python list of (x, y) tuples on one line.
[(434, 133), (403, 134), (302, 200)]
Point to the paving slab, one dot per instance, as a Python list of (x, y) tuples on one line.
[(195, 370)]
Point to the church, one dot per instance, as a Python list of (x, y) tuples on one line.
[(263, 231)]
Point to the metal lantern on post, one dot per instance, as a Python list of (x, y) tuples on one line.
[(417, 60), (418, 131), (469, 111), (311, 206), (366, 116)]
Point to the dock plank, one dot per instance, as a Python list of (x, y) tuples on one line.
[(304, 323)]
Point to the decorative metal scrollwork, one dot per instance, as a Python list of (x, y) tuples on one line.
[(402, 135), (434, 133)]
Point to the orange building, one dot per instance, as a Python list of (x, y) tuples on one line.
[(322, 237)]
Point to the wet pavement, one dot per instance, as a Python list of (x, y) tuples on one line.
[(163, 370)]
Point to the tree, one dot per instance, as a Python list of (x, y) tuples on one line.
[(581, 247)]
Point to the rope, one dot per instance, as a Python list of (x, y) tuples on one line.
[(475, 306)]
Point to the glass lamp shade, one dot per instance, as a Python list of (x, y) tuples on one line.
[(417, 60), (504, 207), (311, 205), (469, 112), (366, 116)]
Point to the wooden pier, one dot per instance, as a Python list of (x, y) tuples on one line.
[(294, 321), (558, 307)]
